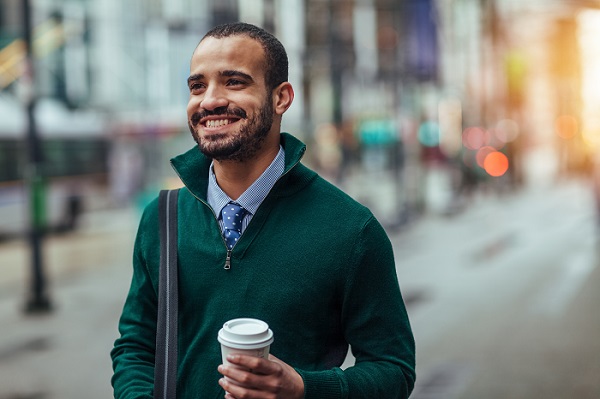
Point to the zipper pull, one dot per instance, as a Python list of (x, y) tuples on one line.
[(228, 260)]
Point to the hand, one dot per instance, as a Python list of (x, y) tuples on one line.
[(251, 377)]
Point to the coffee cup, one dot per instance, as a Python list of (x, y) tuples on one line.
[(245, 336)]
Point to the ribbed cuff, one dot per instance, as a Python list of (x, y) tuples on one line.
[(328, 384)]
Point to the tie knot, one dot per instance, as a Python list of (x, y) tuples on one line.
[(232, 215)]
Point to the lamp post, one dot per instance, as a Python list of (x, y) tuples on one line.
[(37, 301)]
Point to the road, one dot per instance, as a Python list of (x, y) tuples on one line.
[(502, 299)]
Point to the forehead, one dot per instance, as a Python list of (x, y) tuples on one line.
[(229, 53)]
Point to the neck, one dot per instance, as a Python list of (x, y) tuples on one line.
[(234, 178)]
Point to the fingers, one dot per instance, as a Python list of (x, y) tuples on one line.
[(237, 376), (241, 388), (248, 377), (256, 365)]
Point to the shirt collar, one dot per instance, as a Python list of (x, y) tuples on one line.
[(254, 195)]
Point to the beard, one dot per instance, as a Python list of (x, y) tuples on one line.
[(240, 146)]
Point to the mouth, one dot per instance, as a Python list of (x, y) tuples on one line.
[(217, 118), (216, 123)]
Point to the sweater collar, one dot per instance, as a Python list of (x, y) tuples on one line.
[(192, 166)]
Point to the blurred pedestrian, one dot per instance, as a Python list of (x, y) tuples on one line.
[(310, 261)]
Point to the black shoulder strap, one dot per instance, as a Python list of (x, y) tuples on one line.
[(165, 370)]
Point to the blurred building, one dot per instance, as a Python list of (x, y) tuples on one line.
[(403, 82)]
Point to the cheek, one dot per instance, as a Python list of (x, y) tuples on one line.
[(193, 106)]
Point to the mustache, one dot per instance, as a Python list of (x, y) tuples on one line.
[(221, 111)]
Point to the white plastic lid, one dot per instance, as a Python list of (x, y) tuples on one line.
[(245, 333)]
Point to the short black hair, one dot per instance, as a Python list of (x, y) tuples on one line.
[(276, 60)]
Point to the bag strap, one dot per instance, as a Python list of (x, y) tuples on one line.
[(165, 366)]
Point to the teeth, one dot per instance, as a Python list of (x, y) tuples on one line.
[(217, 123)]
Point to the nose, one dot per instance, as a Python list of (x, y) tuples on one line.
[(213, 98)]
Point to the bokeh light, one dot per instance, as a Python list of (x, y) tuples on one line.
[(482, 154), (507, 130), (495, 138), (566, 126), (429, 134), (475, 137), (495, 164)]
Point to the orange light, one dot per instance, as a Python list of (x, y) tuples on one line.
[(566, 126), (496, 164)]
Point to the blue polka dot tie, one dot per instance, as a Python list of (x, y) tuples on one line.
[(232, 215)]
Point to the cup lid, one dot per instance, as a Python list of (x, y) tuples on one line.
[(244, 332)]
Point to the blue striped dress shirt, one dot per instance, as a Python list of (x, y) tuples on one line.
[(252, 197)]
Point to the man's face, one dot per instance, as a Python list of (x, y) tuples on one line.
[(230, 110)]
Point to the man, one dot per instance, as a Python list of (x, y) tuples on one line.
[(311, 262)]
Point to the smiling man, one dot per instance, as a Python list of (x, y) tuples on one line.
[(308, 260)]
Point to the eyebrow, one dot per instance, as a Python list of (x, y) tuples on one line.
[(232, 73), (228, 73), (194, 78)]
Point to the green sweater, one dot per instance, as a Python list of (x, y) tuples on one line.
[(312, 263)]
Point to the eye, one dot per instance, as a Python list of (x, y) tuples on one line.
[(235, 82), (196, 88)]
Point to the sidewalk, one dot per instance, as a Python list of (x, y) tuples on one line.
[(63, 254), (65, 353)]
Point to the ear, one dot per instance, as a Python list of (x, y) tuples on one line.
[(283, 95)]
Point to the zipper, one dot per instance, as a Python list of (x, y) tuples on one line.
[(228, 260)]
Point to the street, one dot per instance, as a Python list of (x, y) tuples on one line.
[(502, 299), (505, 298)]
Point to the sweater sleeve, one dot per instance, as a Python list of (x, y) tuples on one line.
[(133, 352), (375, 325)]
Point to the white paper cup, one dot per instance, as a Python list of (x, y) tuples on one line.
[(246, 337)]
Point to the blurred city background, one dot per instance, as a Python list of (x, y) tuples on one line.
[(469, 127)]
